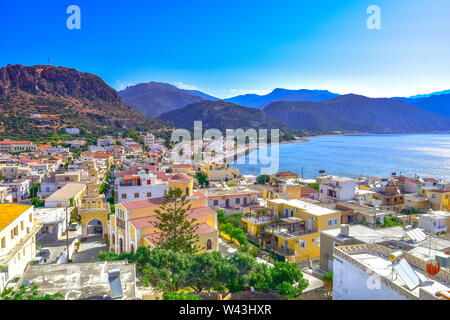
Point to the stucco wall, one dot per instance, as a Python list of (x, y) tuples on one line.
[(353, 283)]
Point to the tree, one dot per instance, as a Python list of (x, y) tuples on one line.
[(28, 293), (202, 179), (178, 231), (263, 179), (288, 279), (328, 281)]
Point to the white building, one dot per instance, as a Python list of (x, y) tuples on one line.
[(53, 221), (139, 186), (17, 241), (337, 189), (365, 272), (74, 131), (434, 221), (105, 141), (18, 189)]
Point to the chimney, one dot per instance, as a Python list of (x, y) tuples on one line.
[(345, 230)]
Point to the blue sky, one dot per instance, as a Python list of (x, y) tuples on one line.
[(231, 47)]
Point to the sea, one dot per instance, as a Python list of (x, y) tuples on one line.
[(424, 155)]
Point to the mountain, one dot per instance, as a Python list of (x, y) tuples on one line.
[(435, 103), (430, 94), (154, 98), (203, 95), (353, 113), (220, 115), (44, 99), (260, 101)]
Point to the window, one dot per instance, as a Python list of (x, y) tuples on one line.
[(188, 193), (263, 229), (302, 244), (31, 217), (238, 200), (216, 202), (318, 241), (16, 231), (335, 244), (124, 195), (313, 240), (336, 221), (208, 245), (136, 195), (149, 194), (3, 243), (12, 234)]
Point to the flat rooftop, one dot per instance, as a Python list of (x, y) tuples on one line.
[(233, 191), (367, 234), (305, 206), (68, 191), (378, 262), (83, 281)]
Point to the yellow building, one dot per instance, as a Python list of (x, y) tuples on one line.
[(297, 236), (132, 227), (220, 172), (93, 209), (438, 199), (18, 230)]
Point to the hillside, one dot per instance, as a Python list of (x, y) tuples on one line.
[(45, 99), (154, 98), (353, 113), (260, 101), (220, 115), (434, 103)]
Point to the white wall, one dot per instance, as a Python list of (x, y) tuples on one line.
[(352, 283)]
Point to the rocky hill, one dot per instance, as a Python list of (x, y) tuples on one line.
[(45, 99)]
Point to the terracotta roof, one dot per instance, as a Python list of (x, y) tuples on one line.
[(286, 173), (15, 142), (44, 146), (181, 177), (202, 229), (430, 179), (130, 177), (308, 190), (102, 155), (143, 203), (144, 222)]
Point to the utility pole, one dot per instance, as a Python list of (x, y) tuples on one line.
[(67, 234)]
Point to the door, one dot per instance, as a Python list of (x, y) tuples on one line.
[(309, 224), (252, 231), (227, 203)]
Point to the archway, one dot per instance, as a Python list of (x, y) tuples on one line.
[(94, 227), (120, 245), (208, 245)]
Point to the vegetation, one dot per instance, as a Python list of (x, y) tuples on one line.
[(177, 229), (312, 185), (328, 281), (180, 296), (174, 272), (28, 293), (263, 179), (232, 226), (202, 179), (389, 222)]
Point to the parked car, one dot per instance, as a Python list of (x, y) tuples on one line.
[(44, 254), (73, 226), (39, 260)]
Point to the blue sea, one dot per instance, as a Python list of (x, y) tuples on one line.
[(425, 155)]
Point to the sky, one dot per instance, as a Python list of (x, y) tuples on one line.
[(231, 47)]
